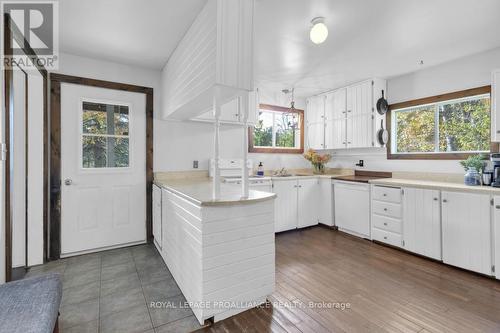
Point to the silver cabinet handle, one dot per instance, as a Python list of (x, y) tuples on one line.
[(435, 199), (349, 111), (385, 209), (444, 200), (385, 223), (68, 181), (385, 194), (497, 206), (385, 237)]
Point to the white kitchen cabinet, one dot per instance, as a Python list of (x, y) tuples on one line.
[(307, 207), (325, 200), (296, 204), (214, 58), (315, 117), (386, 213), (285, 207), (495, 106), (466, 231), (422, 222), (232, 111), (350, 117), (157, 226), (496, 234), (352, 207)]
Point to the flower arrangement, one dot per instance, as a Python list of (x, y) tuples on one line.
[(318, 161)]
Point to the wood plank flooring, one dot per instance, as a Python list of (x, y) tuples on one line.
[(388, 291)]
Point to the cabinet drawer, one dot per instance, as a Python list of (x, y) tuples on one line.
[(389, 194), (386, 237), (386, 209), (386, 223)]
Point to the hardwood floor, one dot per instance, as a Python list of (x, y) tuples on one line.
[(388, 290)]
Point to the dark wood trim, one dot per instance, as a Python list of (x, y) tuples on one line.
[(494, 147), (9, 105), (55, 148), (268, 107), (366, 173)]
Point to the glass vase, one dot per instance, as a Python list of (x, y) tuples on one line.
[(318, 168)]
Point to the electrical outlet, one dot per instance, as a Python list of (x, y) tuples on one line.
[(195, 164)]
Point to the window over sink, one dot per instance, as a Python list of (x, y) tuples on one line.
[(449, 126), (277, 130)]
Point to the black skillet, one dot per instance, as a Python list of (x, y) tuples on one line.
[(382, 105)]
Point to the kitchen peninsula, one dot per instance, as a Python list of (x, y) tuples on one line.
[(220, 252)]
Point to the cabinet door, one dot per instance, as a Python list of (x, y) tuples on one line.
[(308, 202), (316, 135), (466, 231), (335, 133), (285, 207), (315, 110), (230, 111), (495, 106), (352, 208), (359, 131), (157, 230), (496, 234), (359, 99), (422, 222), (325, 201)]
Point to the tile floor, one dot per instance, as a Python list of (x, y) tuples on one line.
[(112, 291)]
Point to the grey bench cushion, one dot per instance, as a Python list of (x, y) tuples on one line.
[(30, 305)]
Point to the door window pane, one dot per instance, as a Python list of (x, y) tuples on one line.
[(105, 135), (94, 152)]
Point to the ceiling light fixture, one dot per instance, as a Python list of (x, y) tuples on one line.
[(319, 30)]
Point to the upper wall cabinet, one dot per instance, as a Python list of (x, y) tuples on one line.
[(215, 58), (495, 106), (346, 117)]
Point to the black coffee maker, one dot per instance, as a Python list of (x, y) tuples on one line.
[(495, 164)]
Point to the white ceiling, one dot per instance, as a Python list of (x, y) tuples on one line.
[(367, 38), (135, 32)]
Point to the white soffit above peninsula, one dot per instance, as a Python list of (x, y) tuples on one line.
[(367, 38), (134, 32)]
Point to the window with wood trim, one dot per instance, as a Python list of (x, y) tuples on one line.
[(277, 130), (449, 126)]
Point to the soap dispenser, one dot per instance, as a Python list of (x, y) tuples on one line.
[(260, 170)]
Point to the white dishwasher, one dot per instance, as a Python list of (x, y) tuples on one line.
[(352, 207)]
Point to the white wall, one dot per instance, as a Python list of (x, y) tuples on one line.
[(470, 72)]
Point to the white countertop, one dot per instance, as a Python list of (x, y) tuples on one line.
[(435, 185), (199, 191)]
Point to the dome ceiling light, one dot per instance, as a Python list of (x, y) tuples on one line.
[(319, 30)]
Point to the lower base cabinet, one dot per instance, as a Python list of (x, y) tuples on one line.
[(467, 231), (422, 222), (352, 208), (157, 222), (496, 234), (296, 204)]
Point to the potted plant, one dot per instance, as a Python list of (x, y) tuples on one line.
[(318, 161), (473, 165)]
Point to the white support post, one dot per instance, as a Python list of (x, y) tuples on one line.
[(243, 106), (216, 178)]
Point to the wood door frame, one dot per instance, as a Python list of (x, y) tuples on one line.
[(55, 150), (11, 31)]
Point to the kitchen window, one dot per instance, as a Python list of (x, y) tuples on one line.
[(105, 135), (450, 126), (277, 130)]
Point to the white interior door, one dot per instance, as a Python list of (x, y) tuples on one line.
[(103, 168)]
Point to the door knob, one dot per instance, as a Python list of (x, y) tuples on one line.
[(68, 181)]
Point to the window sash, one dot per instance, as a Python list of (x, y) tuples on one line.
[(437, 106)]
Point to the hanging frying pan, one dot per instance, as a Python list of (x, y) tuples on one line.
[(382, 134), (382, 105)]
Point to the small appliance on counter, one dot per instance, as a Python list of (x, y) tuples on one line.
[(495, 164), (487, 177)]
